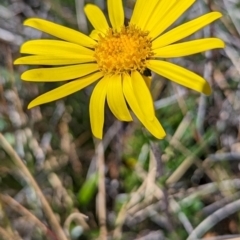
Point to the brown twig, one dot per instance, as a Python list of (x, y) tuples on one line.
[(31, 181)]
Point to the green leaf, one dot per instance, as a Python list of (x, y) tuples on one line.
[(88, 189)]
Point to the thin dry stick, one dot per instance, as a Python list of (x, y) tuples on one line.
[(158, 193), (31, 181), (187, 163), (101, 197), (149, 188), (181, 215), (213, 219), (11, 202), (152, 170), (6, 236), (209, 189), (156, 154), (135, 198), (182, 127)]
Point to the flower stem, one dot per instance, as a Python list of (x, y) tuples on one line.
[(101, 197)]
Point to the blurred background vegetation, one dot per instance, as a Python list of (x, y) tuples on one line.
[(194, 191)]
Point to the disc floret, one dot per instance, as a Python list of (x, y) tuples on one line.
[(123, 51)]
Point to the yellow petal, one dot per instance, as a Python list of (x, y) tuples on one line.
[(154, 127), (188, 48), (95, 34), (96, 17), (116, 13), (59, 73), (96, 107), (170, 17), (116, 100), (54, 60), (65, 90), (137, 11), (185, 30), (147, 10), (54, 48), (159, 13), (180, 75), (143, 95), (61, 32)]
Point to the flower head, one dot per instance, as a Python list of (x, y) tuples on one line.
[(116, 56)]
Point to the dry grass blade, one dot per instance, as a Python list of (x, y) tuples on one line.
[(29, 178)]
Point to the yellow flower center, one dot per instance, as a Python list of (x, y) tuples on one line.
[(123, 51)]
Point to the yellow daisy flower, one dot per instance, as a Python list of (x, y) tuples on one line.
[(116, 56)]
